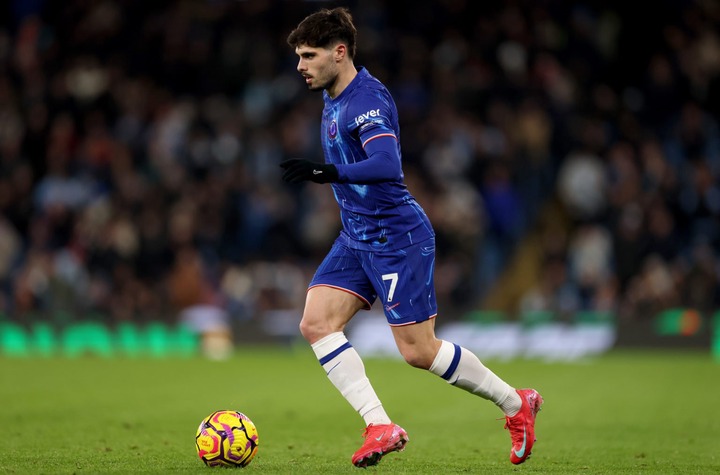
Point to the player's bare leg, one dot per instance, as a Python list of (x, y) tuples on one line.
[(459, 367), (327, 311)]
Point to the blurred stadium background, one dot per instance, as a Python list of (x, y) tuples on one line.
[(568, 154)]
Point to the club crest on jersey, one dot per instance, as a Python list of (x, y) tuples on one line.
[(332, 130)]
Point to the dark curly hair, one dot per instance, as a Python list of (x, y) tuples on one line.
[(324, 28)]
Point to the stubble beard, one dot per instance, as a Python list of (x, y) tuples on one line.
[(325, 85)]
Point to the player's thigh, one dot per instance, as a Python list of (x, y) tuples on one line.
[(328, 309), (337, 291)]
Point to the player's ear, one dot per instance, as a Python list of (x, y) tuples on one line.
[(340, 52)]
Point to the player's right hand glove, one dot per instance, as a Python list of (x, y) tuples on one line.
[(297, 170)]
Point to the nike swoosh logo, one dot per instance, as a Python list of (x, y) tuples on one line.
[(317, 172), (380, 437), (336, 365), (521, 453)]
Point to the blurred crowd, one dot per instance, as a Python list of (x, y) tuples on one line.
[(140, 143)]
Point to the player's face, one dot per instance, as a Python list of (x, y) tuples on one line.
[(317, 66)]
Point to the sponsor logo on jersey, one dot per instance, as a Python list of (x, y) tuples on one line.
[(362, 118)]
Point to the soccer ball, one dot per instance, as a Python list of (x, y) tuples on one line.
[(226, 439)]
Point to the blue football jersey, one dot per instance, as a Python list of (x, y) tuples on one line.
[(380, 215)]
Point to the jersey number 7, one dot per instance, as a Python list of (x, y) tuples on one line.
[(393, 278)]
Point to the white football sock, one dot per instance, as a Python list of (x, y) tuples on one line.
[(463, 369), (346, 371)]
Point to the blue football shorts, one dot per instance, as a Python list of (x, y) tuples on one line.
[(403, 278)]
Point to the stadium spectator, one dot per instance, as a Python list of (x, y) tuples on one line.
[(113, 113)]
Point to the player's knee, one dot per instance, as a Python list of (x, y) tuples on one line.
[(308, 330), (417, 357), (314, 329)]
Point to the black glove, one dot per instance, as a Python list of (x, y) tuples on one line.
[(297, 170)]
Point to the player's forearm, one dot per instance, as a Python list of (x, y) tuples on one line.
[(382, 164)]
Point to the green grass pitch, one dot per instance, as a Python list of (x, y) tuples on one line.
[(625, 412)]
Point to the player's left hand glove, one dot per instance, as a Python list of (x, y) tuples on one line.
[(298, 169)]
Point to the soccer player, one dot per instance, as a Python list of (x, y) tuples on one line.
[(386, 247)]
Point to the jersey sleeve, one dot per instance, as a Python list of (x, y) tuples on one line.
[(369, 118)]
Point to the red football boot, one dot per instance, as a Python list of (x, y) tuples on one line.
[(380, 439), (522, 425)]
